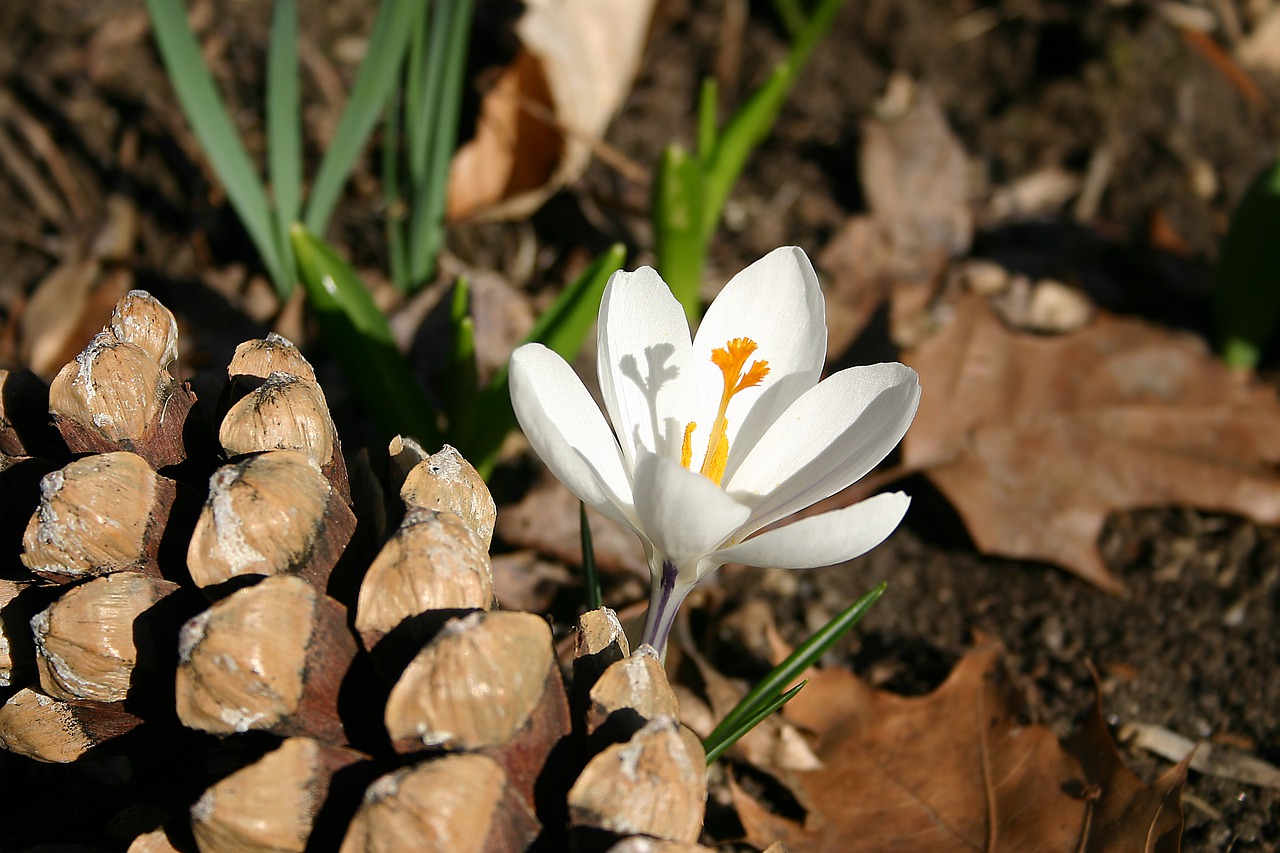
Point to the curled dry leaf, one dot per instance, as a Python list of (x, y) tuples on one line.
[(538, 123), (1034, 440), (957, 770)]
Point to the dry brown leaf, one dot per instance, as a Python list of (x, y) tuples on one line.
[(538, 123), (915, 175), (957, 770), (1034, 440), (546, 520)]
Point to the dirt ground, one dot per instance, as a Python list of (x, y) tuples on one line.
[(1027, 86)]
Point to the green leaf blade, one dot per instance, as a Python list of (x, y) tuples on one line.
[(284, 125), (377, 77), (208, 117), (678, 234), (805, 656), (445, 79), (1246, 280), (749, 723), (360, 338)]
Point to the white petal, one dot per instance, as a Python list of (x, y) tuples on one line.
[(829, 438), (684, 515), (821, 540), (568, 432), (777, 303), (645, 363)]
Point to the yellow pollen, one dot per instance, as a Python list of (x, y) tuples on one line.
[(732, 361), (686, 449)]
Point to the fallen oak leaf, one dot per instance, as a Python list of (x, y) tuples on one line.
[(1035, 439), (546, 520), (954, 770), (915, 175), (539, 122), (1121, 795)]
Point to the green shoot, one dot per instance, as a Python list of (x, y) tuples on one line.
[(204, 109), (359, 337), (768, 695), (751, 722), (374, 83), (463, 384), (284, 126), (432, 142), (690, 191), (1246, 282)]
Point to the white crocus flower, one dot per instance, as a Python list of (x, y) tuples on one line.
[(718, 437)]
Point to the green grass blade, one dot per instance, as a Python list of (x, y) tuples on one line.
[(284, 126), (375, 80), (358, 335), (752, 123), (678, 237), (708, 118), (208, 117), (792, 16), (1246, 281), (746, 130), (449, 38), (463, 382), (751, 722), (562, 328), (429, 84), (417, 107), (590, 577), (805, 656), (392, 199)]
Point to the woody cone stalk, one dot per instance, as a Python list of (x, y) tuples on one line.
[(179, 614)]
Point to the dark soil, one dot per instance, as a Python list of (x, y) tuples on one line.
[(1026, 84)]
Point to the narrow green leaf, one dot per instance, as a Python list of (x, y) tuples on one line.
[(753, 122), (358, 334), (708, 118), (590, 577), (449, 38), (463, 385), (563, 328), (805, 656), (418, 96), (679, 239), (374, 82), (1246, 281), (392, 200), (746, 130), (792, 15), (284, 126), (208, 117), (754, 720)]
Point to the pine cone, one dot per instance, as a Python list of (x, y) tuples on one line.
[(251, 664)]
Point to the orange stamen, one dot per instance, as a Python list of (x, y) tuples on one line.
[(732, 361)]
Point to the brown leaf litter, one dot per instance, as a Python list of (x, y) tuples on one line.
[(958, 769), (1035, 439)]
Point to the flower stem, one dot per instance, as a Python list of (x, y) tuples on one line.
[(664, 600)]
